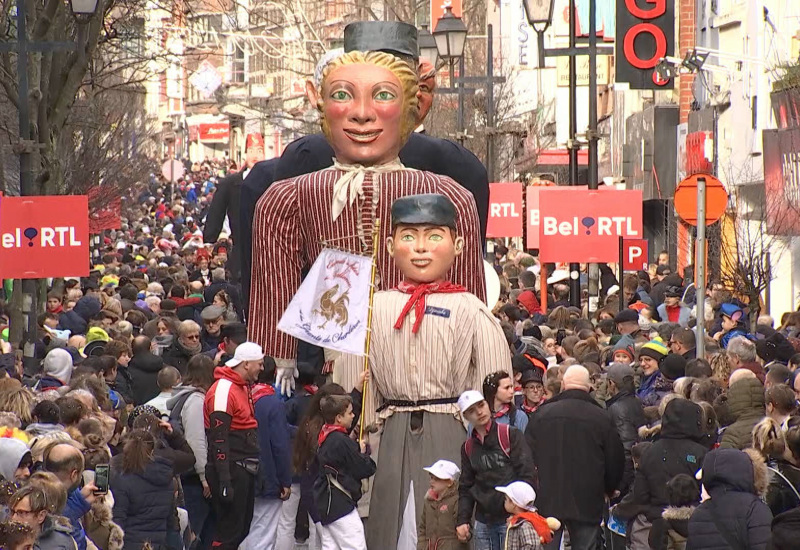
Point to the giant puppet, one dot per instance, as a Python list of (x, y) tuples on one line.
[(431, 340), (368, 106)]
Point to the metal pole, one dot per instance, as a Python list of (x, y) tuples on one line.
[(621, 273), (594, 269), (461, 100), (700, 263), (490, 102), (29, 286), (574, 268)]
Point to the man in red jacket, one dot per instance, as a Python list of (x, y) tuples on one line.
[(232, 433)]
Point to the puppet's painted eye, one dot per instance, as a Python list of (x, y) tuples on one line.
[(340, 95), (385, 95)]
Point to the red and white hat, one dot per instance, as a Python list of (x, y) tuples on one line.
[(254, 140)]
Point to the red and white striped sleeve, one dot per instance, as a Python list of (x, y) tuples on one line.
[(276, 266)]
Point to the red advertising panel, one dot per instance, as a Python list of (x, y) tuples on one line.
[(532, 211), (44, 237), (782, 181), (217, 131), (438, 7), (634, 254), (579, 225), (505, 210)]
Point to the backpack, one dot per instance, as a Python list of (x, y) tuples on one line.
[(175, 412), (503, 436)]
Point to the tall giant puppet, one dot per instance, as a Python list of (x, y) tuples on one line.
[(368, 104)]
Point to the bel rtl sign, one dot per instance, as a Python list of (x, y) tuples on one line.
[(505, 210), (634, 254), (645, 35), (579, 225)]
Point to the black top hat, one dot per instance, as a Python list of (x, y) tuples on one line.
[(381, 36), (430, 209)]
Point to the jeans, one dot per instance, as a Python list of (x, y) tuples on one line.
[(489, 536), (201, 516), (582, 535)]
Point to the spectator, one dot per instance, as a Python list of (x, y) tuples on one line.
[(579, 456), (16, 536), (781, 403), (439, 514), (783, 492), (498, 389), (732, 325), (673, 310), (494, 455), (121, 352), (684, 342), (31, 507), (213, 319), (144, 368), (734, 516), (533, 396), (746, 406), (186, 346), (741, 354), (56, 370), (167, 379), (653, 385), (232, 335), (671, 530), (626, 412), (15, 460)]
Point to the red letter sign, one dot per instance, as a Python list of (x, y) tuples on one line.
[(634, 254), (505, 210), (645, 34), (44, 237)]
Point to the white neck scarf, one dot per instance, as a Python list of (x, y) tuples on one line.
[(351, 184)]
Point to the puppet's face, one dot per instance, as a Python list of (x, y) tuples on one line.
[(254, 154), (424, 253), (369, 107)]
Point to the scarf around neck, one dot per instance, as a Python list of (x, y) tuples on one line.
[(328, 429), (417, 299), (350, 185)]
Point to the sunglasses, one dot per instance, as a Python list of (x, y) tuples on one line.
[(192, 337)]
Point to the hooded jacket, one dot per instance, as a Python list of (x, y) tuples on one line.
[(77, 319), (275, 472), (143, 369), (55, 535), (438, 521), (230, 422), (56, 369), (191, 419), (786, 530), (671, 530), (677, 451), (627, 413), (143, 501), (11, 453), (731, 478), (746, 405)]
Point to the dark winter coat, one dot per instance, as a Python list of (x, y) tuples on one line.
[(677, 451), (437, 522), (786, 530), (77, 319), (627, 413), (123, 383), (210, 342), (342, 466), (746, 405), (275, 450), (143, 502), (488, 467), (143, 369), (579, 456), (730, 477), (177, 356), (784, 484), (669, 532), (55, 535)]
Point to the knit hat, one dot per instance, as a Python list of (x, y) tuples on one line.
[(673, 366), (654, 348), (576, 378), (627, 316), (627, 349)]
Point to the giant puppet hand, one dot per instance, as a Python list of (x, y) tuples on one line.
[(285, 373)]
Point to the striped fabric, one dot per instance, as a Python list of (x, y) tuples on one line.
[(293, 218), (459, 342)]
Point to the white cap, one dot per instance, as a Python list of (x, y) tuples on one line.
[(469, 398), (121, 245), (444, 469), (520, 494), (248, 351), (559, 275)]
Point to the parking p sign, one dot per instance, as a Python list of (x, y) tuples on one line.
[(634, 254)]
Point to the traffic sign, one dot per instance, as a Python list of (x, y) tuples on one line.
[(173, 170), (634, 254), (686, 199)]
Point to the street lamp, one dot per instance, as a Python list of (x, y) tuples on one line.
[(539, 13), (450, 35), (427, 46), (83, 7)]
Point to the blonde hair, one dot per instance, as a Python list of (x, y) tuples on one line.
[(409, 80), (768, 438), (19, 401)]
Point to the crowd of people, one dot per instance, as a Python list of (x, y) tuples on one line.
[(144, 416)]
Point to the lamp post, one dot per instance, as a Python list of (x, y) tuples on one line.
[(427, 46), (450, 36), (540, 14), (83, 10)]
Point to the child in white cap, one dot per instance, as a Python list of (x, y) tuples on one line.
[(437, 524), (526, 530)]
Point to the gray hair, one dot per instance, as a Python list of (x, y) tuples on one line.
[(742, 348), (187, 326), (218, 274)]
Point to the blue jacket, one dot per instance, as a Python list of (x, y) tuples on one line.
[(275, 449), (520, 420), (76, 508), (730, 335)]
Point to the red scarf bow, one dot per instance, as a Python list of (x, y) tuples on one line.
[(328, 429), (417, 300), (311, 389), (502, 411)]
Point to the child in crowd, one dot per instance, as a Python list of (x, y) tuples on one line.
[(533, 390), (342, 466), (16, 536), (672, 528), (437, 524), (526, 530)]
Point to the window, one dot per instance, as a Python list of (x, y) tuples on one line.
[(238, 65)]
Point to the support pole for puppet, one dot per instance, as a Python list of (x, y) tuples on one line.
[(375, 236)]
